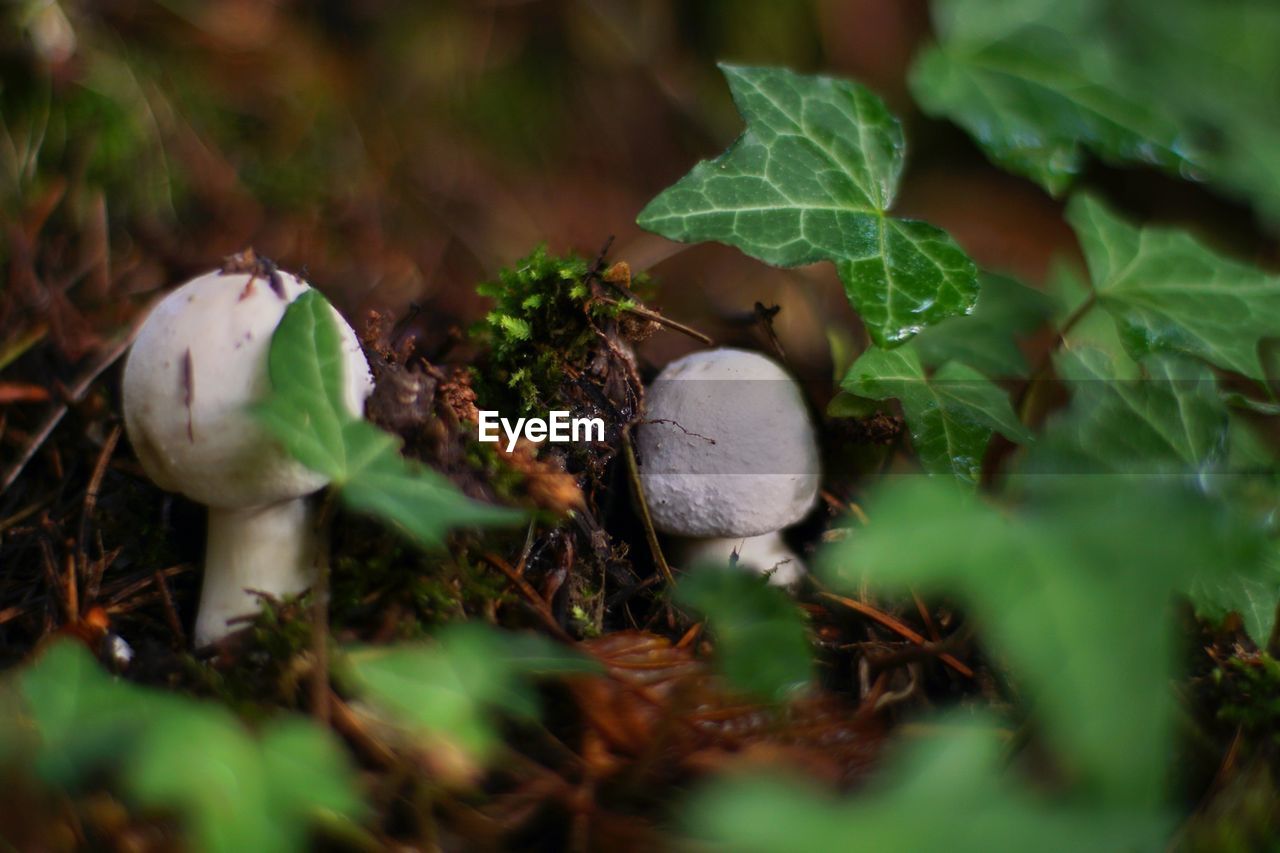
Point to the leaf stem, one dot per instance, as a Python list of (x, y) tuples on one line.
[(898, 628), (1023, 404), (658, 318)]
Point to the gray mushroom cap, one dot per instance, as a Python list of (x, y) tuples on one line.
[(727, 446)]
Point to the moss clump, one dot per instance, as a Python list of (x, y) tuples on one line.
[(542, 320), (265, 667), (507, 482), (385, 586), (1250, 695)]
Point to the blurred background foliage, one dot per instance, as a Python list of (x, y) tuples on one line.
[(402, 152)]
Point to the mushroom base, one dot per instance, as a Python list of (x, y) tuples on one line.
[(760, 554), (268, 549)]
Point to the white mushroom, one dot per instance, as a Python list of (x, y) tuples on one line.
[(729, 457), (199, 362)]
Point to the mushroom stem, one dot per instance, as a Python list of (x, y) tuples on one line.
[(268, 549), (764, 554)]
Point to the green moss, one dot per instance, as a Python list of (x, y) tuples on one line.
[(506, 482), (271, 663), (541, 321), (374, 574), (587, 626), (1250, 690)]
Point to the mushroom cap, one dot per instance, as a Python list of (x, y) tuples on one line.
[(199, 362), (727, 447)]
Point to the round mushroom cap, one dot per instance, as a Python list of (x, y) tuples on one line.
[(198, 364), (727, 447)]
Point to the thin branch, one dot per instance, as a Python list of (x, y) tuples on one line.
[(898, 628), (658, 318), (539, 605), (91, 495), (646, 520), (76, 393)]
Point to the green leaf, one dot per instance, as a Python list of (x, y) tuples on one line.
[(1218, 73), (232, 791), (80, 714), (951, 414), (986, 340), (1035, 98), (218, 785), (761, 645), (306, 411), (1169, 421), (1080, 326), (1174, 83), (399, 491), (946, 793), (452, 690), (307, 414), (1252, 595), (307, 772), (1050, 586), (1168, 292), (812, 179)]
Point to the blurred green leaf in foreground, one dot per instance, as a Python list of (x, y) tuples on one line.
[(949, 792), (1072, 590), (1186, 85), (761, 645), (450, 694), (235, 791)]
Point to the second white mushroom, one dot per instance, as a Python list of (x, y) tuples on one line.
[(729, 458)]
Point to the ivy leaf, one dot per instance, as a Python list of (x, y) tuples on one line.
[(80, 714), (307, 772), (1254, 596), (402, 492), (1170, 420), (450, 692), (986, 340), (307, 414), (220, 786), (1169, 292), (233, 791), (306, 411), (951, 414), (812, 179), (945, 793), (1049, 584), (1217, 72), (1080, 326), (761, 646), (1173, 83), (1036, 96)]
